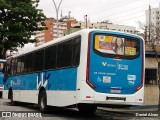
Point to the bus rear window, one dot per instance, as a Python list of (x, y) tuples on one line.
[(109, 45)]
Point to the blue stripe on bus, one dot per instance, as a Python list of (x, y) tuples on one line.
[(64, 79)]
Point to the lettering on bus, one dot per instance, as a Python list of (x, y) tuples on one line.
[(130, 82), (122, 67), (15, 83), (108, 64), (104, 73)]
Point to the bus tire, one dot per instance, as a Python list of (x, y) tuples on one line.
[(87, 108), (43, 102)]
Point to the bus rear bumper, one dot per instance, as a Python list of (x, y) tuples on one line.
[(120, 99), (92, 97)]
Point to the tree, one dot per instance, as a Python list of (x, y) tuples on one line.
[(18, 22), (154, 40)]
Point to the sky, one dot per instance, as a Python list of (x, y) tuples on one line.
[(123, 12)]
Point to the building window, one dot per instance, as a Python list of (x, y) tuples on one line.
[(151, 76)]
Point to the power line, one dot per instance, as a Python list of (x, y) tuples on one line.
[(124, 15), (111, 8), (142, 6), (131, 18), (130, 14)]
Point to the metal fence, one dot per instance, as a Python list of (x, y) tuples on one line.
[(151, 77)]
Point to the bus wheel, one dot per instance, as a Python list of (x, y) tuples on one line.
[(43, 102), (87, 108)]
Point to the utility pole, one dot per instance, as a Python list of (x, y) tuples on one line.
[(57, 10), (86, 21), (69, 22), (145, 33)]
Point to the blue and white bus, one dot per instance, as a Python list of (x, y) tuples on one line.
[(85, 69), (2, 62)]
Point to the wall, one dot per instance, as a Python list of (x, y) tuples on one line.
[(151, 95)]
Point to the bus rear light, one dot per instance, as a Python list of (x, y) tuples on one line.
[(142, 79), (139, 88), (88, 96), (88, 64), (90, 84), (117, 57)]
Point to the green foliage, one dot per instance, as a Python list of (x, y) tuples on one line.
[(18, 22)]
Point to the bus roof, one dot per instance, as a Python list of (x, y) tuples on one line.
[(70, 36)]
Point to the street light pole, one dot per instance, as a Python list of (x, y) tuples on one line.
[(86, 21), (57, 10)]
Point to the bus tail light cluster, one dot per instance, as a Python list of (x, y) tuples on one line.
[(88, 64), (142, 79), (88, 96)]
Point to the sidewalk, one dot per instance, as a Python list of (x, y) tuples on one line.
[(134, 108)]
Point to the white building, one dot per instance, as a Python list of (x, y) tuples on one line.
[(108, 26), (61, 27), (40, 37), (154, 16)]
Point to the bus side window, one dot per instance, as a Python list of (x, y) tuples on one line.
[(50, 57), (13, 66), (76, 51), (38, 60), (7, 69), (28, 64), (1, 65), (64, 54)]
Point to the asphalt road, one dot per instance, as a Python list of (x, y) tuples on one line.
[(62, 113)]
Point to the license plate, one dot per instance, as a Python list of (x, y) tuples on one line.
[(115, 91)]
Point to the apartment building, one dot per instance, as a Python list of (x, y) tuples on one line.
[(51, 32), (154, 14), (47, 34)]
